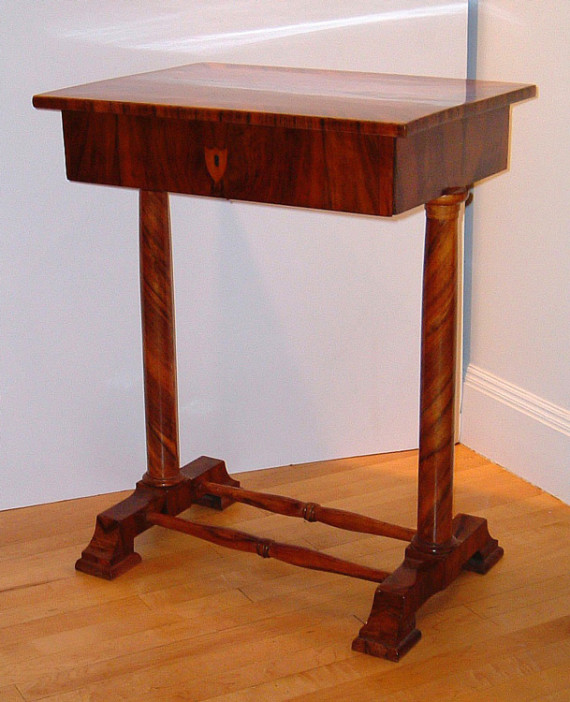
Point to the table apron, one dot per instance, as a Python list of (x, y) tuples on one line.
[(278, 165)]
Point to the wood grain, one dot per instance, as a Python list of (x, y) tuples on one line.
[(437, 378), (367, 103), (267, 548), (460, 153), (159, 344), (110, 552), (311, 512), (287, 136), (197, 622), (172, 155), (223, 131)]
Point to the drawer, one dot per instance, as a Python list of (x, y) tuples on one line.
[(321, 169)]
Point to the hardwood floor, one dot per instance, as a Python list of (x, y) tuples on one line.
[(195, 622)]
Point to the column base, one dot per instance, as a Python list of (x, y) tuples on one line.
[(111, 550), (391, 627)]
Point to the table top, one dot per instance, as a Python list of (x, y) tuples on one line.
[(367, 103)]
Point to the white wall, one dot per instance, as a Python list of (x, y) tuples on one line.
[(298, 332), (516, 407)]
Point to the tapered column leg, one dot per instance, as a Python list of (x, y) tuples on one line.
[(164, 488), (438, 363), (443, 545), (159, 346)]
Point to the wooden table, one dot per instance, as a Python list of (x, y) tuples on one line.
[(354, 142)]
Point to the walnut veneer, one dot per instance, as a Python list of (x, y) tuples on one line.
[(356, 142)]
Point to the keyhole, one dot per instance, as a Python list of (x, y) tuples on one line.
[(216, 162)]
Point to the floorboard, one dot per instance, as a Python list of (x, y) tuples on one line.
[(195, 622)]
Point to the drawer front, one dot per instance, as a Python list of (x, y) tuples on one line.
[(327, 170)]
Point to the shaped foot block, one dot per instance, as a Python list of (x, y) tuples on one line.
[(390, 630), (111, 550)]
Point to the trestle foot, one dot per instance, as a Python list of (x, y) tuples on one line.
[(111, 550), (391, 628)]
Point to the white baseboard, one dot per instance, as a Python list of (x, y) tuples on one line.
[(517, 429)]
